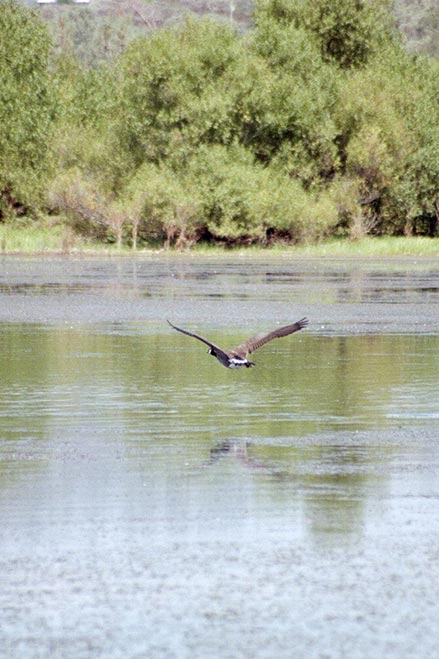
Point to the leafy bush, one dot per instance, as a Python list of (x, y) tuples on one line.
[(163, 207), (75, 196), (26, 108), (317, 122)]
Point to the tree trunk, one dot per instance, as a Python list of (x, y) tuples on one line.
[(134, 236)]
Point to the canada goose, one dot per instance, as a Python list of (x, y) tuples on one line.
[(237, 357)]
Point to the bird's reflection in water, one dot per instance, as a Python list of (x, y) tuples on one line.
[(238, 449), (235, 447)]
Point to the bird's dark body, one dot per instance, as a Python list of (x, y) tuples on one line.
[(237, 357)]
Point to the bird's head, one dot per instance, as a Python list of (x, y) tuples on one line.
[(212, 352)]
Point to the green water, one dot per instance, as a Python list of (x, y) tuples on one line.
[(155, 504), (160, 384)]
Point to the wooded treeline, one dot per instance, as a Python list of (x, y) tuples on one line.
[(317, 122)]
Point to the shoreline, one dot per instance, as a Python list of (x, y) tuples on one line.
[(41, 242)]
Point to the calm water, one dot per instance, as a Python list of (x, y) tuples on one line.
[(155, 504)]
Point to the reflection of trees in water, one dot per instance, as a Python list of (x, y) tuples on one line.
[(383, 286), (140, 382), (333, 482)]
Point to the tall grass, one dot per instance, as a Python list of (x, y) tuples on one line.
[(373, 247), (57, 239), (344, 248), (61, 240), (29, 240)]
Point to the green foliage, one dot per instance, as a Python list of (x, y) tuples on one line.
[(244, 201), (284, 12), (390, 123), (173, 90), (350, 31), (26, 108), (229, 182), (346, 32), (163, 207), (83, 136), (76, 196), (316, 123), (286, 100), (84, 96)]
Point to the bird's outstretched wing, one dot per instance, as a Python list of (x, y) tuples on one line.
[(200, 338), (259, 340)]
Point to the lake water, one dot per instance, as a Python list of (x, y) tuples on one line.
[(155, 504)]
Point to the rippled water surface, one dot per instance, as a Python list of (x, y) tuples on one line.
[(155, 504)]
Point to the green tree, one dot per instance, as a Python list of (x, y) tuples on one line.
[(26, 108), (415, 193), (163, 206), (316, 122), (347, 32), (86, 110), (245, 201), (390, 141), (285, 96), (173, 91), (350, 31)]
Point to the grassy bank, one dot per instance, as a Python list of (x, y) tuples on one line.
[(56, 239), (60, 240), (372, 247)]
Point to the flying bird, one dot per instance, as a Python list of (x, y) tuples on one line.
[(237, 357)]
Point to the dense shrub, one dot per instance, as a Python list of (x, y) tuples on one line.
[(26, 109), (315, 122)]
